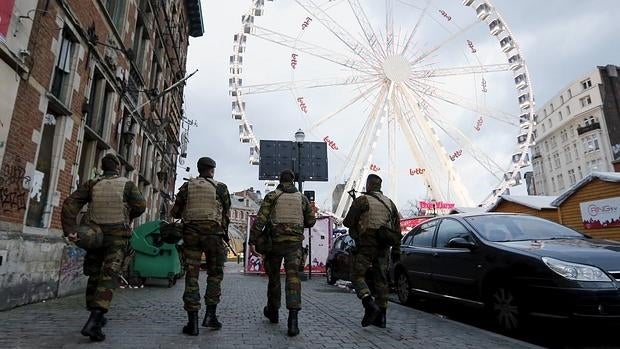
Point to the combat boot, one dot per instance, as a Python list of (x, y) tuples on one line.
[(210, 319), (380, 320), (293, 325), (371, 311), (192, 324), (271, 314), (92, 328)]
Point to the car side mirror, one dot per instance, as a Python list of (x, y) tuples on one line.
[(461, 243)]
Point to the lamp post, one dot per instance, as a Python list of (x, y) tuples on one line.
[(299, 138)]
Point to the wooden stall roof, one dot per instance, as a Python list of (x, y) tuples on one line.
[(603, 176)]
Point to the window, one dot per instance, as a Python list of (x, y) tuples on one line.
[(570, 93), (567, 154), (450, 229), (549, 161), (571, 131), (585, 101), (550, 122), (556, 160), (544, 128), (39, 206), (116, 10), (589, 120), (61, 82), (408, 239), (551, 106), (561, 99), (553, 184), (140, 42), (571, 176), (564, 135), (580, 173), (590, 143), (560, 182), (560, 115), (99, 100), (423, 237), (554, 142), (586, 84), (568, 110), (546, 146)]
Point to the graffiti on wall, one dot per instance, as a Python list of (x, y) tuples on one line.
[(71, 269), (13, 181)]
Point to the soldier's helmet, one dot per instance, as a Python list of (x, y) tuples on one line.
[(206, 162), (90, 236), (112, 157)]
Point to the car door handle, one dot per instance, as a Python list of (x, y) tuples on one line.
[(435, 254)]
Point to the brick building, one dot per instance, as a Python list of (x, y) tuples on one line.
[(80, 79)]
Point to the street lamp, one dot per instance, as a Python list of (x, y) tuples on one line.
[(299, 138)]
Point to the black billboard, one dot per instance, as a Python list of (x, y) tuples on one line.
[(307, 159)]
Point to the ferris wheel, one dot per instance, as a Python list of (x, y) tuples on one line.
[(433, 95)]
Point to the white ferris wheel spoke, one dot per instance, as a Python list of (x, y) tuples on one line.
[(449, 39), (442, 155), (338, 31), (298, 45), (354, 100), (389, 26), (460, 101), (392, 117), (308, 84), (465, 70), (369, 33), (363, 151), (415, 28), (462, 140)]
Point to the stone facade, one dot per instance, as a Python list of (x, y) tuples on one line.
[(80, 79)]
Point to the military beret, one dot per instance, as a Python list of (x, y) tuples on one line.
[(206, 162), (112, 157)]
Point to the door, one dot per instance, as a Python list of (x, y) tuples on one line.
[(417, 256), (455, 270)]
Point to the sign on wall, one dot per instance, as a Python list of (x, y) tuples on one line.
[(601, 213), (6, 11)]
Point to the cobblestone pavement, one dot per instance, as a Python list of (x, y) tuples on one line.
[(152, 317)]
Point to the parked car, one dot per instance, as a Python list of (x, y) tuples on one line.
[(513, 265), (339, 259)]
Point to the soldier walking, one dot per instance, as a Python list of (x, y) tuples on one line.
[(368, 216), (113, 202), (284, 214), (204, 205)]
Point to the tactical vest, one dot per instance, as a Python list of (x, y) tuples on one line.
[(377, 214), (288, 209), (107, 205), (202, 201)]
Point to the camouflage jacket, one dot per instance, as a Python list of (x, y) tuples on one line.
[(366, 237), (73, 204), (282, 232), (206, 227)]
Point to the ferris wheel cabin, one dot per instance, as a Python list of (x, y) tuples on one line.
[(524, 101), (521, 81), (483, 11), (506, 44), (515, 62), (468, 2), (496, 27)]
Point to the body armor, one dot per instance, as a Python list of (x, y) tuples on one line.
[(377, 214), (202, 201), (107, 205), (288, 209)]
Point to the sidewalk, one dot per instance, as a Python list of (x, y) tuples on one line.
[(152, 317)]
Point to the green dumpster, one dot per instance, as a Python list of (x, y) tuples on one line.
[(154, 258)]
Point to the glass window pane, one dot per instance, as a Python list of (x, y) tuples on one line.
[(424, 236), (450, 229)]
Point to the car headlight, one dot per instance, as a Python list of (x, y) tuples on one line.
[(577, 272)]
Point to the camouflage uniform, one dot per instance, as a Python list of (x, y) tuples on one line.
[(103, 265), (368, 252), (287, 240), (207, 237)]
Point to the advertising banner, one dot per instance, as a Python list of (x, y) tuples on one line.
[(321, 240), (601, 213), (6, 11)]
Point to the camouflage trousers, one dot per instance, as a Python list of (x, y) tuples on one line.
[(371, 263), (102, 266), (291, 253), (194, 244)]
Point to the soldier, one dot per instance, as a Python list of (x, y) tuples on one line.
[(204, 205), (288, 212), (113, 202), (369, 213)]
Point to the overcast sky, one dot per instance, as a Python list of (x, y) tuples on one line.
[(561, 40)]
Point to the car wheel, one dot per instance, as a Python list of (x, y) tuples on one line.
[(505, 309), (331, 280), (403, 288)]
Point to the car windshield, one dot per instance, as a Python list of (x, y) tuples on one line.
[(500, 228)]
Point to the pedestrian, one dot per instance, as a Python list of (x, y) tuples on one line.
[(283, 215), (373, 222), (204, 206), (113, 202)]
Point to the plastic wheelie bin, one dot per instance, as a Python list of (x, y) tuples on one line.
[(153, 258)]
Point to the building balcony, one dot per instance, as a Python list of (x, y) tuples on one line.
[(585, 129)]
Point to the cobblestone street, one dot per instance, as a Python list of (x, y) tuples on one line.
[(152, 317)]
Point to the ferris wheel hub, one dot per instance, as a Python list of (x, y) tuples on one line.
[(396, 68)]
